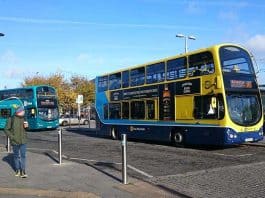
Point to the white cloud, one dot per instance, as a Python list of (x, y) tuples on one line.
[(192, 7), (256, 43)]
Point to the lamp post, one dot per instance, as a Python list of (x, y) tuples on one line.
[(186, 40)]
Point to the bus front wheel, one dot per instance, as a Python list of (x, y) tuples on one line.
[(114, 133), (177, 138)]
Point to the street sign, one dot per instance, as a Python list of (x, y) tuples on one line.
[(79, 99)]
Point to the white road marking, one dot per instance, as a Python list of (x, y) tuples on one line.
[(139, 171), (243, 155), (87, 160)]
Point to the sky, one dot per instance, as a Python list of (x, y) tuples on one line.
[(93, 37)]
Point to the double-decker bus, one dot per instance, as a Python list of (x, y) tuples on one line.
[(206, 97), (40, 104)]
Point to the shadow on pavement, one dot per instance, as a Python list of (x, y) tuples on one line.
[(86, 131), (92, 132), (9, 159), (102, 171), (52, 157)]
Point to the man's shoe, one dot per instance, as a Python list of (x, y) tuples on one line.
[(17, 173), (23, 174)]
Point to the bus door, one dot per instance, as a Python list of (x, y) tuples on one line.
[(151, 110), (31, 116)]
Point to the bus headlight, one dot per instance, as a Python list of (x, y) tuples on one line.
[(231, 134), (261, 131)]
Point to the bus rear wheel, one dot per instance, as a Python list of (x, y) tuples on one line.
[(114, 133), (177, 138)]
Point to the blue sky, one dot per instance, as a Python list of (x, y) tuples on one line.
[(92, 37)]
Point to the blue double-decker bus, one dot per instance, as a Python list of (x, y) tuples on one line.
[(206, 97), (40, 104)]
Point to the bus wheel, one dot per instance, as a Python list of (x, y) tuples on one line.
[(177, 138), (114, 133)]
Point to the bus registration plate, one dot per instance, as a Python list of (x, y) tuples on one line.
[(249, 140)]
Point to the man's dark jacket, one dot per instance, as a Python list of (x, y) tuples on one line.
[(15, 130)]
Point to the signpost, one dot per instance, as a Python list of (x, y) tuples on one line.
[(79, 101)]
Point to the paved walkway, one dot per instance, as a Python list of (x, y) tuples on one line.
[(70, 179)]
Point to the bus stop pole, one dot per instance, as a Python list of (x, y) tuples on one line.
[(79, 114), (60, 145), (8, 148), (124, 159)]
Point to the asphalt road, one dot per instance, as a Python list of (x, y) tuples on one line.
[(147, 160)]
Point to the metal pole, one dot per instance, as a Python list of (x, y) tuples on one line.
[(8, 148), (124, 159), (89, 116), (79, 115), (60, 145), (186, 44)]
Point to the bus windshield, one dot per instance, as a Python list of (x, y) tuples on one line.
[(235, 60), (244, 110), (47, 107), (48, 113)]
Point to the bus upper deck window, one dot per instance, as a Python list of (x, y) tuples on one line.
[(201, 64)]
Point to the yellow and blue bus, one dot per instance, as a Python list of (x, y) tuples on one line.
[(206, 97), (40, 104)]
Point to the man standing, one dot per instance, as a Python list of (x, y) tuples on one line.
[(15, 130)]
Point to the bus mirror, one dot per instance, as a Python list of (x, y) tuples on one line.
[(213, 102), (218, 82)]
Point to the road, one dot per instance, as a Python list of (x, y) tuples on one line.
[(147, 161)]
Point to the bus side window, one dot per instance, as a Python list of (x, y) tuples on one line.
[(125, 110), (5, 113), (201, 64), (137, 110), (203, 108), (114, 110)]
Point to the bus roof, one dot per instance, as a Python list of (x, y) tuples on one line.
[(27, 87)]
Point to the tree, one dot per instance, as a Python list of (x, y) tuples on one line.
[(67, 90), (83, 86)]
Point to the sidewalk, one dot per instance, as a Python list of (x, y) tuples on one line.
[(70, 179)]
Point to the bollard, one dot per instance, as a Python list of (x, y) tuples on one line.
[(124, 159), (60, 145), (8, 148)]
